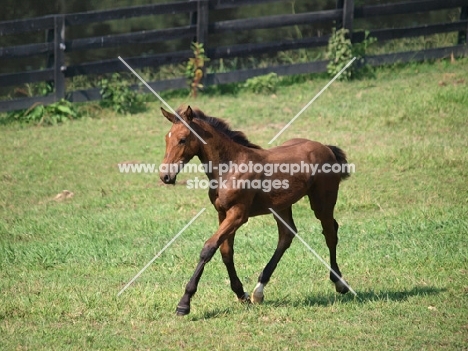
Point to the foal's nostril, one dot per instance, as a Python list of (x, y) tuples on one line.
[(166, 178)]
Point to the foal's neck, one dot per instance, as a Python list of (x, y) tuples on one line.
[(219, 149)]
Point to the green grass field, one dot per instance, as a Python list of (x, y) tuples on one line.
[(403, 236)]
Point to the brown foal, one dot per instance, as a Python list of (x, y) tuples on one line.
[(243, 193)]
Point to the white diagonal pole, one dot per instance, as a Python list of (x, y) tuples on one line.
[(160, 252), (312, 250), (162, 100), (311, 101)]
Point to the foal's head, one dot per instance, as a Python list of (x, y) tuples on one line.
[(181, 143)]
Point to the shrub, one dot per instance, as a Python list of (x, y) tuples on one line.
[(117, 95), (195, 68), (266, 84), (341, 51), (58, 112)]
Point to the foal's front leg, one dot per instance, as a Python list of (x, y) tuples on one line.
[(235, 217), (227, 253)]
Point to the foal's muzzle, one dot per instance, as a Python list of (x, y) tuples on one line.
[(168, 179), (168, 172)]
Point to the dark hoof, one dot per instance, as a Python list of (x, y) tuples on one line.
[(341, 288), (245, 298), (343, 291), (182, 310)]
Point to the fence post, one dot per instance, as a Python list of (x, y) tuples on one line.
[(59, 57), (339, 6), (193, 20), (348, 17), (49, 38), (199, 18), (463, 34), (202, 22)]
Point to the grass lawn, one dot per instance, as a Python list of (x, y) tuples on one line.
[(403, 236)]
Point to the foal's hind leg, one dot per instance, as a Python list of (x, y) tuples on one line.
[(284, 241), (330, 231), (322, 203)]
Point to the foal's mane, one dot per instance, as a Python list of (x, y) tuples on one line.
[(222, 126)]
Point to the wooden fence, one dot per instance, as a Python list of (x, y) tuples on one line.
[(200, 29)]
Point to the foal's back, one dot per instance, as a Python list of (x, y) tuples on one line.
[(307, 155), (300, 149)]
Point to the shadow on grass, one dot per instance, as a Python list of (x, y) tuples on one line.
[(329, 300), (215, 313), (362, 297)]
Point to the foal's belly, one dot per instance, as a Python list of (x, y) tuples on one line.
[(277, 200)]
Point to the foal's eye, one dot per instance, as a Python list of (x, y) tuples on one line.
[(182, 141)]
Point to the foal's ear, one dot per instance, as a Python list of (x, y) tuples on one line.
[(188, 114), (170, 116)]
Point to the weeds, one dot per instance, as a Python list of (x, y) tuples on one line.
[(117, 95), (266, 84), (341, 50), (39, 114), (34, 89), (195, 68)]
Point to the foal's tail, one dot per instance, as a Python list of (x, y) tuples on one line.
[(340, 156)]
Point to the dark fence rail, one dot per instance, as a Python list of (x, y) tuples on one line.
[(406, 8), (200, 29), (274, 21)]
